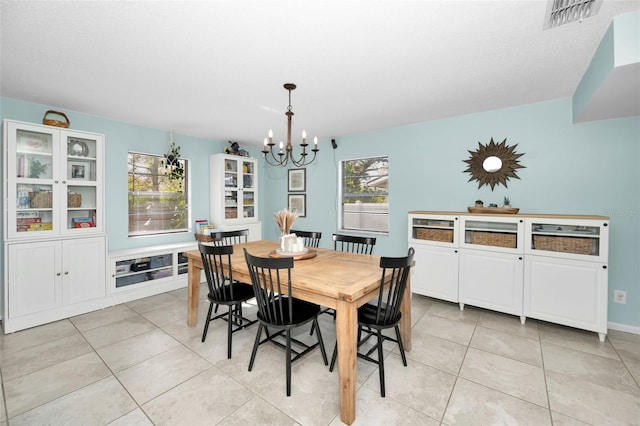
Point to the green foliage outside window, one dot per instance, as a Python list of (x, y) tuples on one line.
[(157, 203)]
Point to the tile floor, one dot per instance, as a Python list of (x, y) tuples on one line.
[(139, 364)]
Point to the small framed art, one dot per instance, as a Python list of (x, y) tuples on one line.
[(298, 204), (78, 170), (297, 180)]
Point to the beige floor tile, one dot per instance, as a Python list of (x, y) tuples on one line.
[(3, 411), (167, 314), (371, 409), (615, 335), (629, 352), (592, 368), (136, 417), (574, 338), (209, 395), (452, 311), (420, 305), (474, 404), (449, 329), (126, 353), (508, 345), (150, 378), (313, 400), (515, 378), (21, 340), (418, 386), (509, 324), (106, 397), (102, 317), (435, 351), (258, 411), (153, 302), (562, 420), (27, 392), (591, 403), (118, 331), (45, 355)]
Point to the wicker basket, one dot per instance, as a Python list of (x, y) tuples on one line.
[(443, 235), (204, 238), (40, 200), (56, 123), (574, 245), (74, 200), (494, 239)]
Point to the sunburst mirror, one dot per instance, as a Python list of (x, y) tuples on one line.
[(493, 164)]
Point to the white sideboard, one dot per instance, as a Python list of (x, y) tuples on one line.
[(549, 267)]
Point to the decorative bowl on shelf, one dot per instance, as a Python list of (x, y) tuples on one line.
[(493, 210)]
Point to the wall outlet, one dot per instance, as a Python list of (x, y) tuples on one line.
[(620, 296)]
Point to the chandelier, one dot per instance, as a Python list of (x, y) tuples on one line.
[(285, 154)]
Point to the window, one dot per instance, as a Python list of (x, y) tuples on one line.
[(364, 192), (157, 204)]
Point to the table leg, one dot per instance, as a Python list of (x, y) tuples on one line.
[(193, 293), (347, 334), (405, 321)]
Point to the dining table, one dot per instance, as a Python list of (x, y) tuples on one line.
[(339, 280)]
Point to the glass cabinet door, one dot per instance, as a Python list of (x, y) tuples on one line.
[(31, 169), (80, 174)]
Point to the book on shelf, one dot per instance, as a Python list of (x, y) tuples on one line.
[(81, 219)]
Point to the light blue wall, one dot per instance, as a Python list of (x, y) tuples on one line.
[(587, 168)]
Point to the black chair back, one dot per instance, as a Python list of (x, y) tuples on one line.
[(218, 277), (311, 238), (228, 238), (395, 271), (271, 279), (353, 244)]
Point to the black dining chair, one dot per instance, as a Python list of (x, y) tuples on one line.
[(384, 312), (228, 238), (353, 244), (224, 291), (271, 279), (311, 238)]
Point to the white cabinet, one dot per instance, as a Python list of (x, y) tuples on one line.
[(435, 240), (491, 280), (491, 263), (549, 267), (50, 280), (566, 272), (234, 194), (54, 241), (142, 272), (53, 180)]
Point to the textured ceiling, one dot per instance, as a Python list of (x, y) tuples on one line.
[(215, 69)]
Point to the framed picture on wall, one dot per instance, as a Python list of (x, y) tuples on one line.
[(297, 180), (298, 204)]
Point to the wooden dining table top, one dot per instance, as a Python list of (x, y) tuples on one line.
[(330, 276)]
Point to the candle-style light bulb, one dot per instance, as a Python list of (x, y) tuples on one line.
[(265, 142), (315, 141), (304, 136), (281, 146), (270, 136)]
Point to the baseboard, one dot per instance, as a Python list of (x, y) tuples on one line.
[(623, 327)]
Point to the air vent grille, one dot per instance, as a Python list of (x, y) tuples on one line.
[(560, 12)]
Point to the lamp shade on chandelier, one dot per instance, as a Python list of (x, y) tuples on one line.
[(285, 153)]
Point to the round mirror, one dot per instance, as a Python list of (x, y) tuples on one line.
[(492, 164)]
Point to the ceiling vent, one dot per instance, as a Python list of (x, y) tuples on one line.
[(560, 12)]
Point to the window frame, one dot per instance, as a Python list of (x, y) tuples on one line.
[(187, 194), (341, 197)]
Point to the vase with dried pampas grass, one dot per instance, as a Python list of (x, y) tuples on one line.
[(284, 219)]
